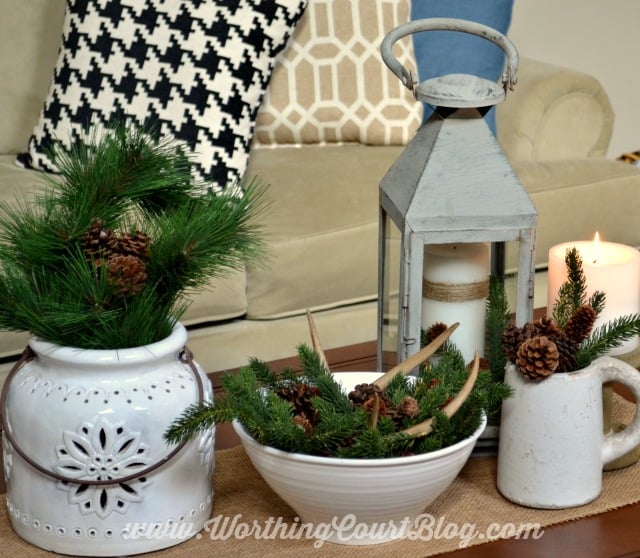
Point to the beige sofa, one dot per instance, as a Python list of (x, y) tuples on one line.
[(322, 222)]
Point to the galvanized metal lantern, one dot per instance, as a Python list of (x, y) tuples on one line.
[(450, 199)]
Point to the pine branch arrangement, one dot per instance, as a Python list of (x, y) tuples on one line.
[(572, 294), (310, 413), (104, 257), (498, 318), (568, 341)]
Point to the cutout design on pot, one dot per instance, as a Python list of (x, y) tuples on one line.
[(98, 452)]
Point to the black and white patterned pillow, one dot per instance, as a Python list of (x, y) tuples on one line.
[(194, 70)]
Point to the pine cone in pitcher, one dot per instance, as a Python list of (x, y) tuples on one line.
[(567, 350), (537, 357), (579, 326), (545, 326), (512, 338)]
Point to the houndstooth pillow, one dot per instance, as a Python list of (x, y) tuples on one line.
[(195, 70)]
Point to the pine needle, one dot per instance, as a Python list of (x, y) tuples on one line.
[(606, 337), (341, 428), (129, 182)]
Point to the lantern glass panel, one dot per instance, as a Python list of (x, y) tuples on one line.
[(391, 247)]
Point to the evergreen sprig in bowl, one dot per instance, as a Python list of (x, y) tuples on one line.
[(350, 450), (344, 498)]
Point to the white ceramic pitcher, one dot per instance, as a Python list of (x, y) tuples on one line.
[(552, 443)]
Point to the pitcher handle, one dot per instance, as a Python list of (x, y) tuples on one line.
[(509, 77), (619, 443)]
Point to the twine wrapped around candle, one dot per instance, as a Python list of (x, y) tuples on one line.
[(454, 289), (448, 292)]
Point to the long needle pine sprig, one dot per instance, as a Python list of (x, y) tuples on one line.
[(105, 257)]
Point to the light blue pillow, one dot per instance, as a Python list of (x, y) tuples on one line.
[(447, 52)]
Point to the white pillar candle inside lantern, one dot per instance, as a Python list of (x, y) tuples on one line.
[(608, 267), (456, 283)]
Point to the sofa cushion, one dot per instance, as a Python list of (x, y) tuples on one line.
[(331, 85), (321, 229), (554, 114), (193, 70)]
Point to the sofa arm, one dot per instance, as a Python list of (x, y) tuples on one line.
[(554, 113)]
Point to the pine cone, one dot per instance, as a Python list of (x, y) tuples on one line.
[(433, 331), (409, 407), (136, 244), (304, 423), (545, 326), (300, 394), (95, 241), (363, 396), (512, 338), (537, 357), (127, 274), (579, 326), (567, 350), (483, 364)]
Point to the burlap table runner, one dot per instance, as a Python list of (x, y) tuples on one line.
[(242, 497)]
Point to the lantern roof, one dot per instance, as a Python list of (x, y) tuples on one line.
[(454, 181)]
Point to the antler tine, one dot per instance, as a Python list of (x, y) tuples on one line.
[(424, 428), (315, 340), (409, 364)]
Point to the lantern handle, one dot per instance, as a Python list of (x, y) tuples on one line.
[(509, 76)]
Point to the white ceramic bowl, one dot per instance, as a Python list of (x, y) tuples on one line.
[(358, 501)]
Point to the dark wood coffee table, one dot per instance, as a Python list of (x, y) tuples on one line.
[(615, 534)]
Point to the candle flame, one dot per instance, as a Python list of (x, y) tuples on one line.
[(596, 247)]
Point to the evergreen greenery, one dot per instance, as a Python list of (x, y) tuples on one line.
[(498, 318), (606, 337), (119, 184), (572, 295), (344, 429), (569, 341)]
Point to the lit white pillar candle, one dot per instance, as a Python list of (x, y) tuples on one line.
[(456, 281), (608, 267)]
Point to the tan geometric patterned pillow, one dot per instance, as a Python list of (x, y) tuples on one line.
[(331, 85)]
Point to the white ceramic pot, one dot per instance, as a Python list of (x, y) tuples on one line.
[(358, 501), (80, 417), (552, 441)]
